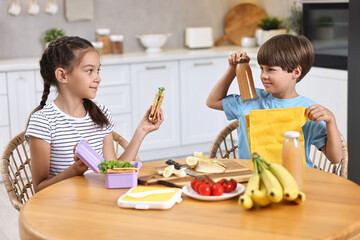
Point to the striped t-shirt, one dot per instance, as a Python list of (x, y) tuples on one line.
[(62, 132)]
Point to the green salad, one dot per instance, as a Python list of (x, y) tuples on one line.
[(109, 164)]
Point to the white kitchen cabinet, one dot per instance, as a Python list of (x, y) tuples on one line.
[(4, 110), (123, 125), (200, 123), (146, 78), (328, 87), (21, 95), (4, 137), (116, 98)]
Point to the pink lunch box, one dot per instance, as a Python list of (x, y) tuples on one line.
[(112, 180)]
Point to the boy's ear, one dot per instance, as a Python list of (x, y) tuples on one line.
[(296, 72), (60, 75)]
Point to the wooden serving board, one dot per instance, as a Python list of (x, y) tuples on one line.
[(233, 170), (241, 21)]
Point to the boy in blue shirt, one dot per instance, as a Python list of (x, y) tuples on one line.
[(284, 60)]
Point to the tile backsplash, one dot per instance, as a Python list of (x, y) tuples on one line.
[(21, 35)]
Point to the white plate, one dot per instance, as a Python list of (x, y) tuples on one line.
[(191, 193)]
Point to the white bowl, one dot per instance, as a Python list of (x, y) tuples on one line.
[(153, 42)]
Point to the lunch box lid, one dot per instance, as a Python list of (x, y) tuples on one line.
[(154, 201), (88, 155)]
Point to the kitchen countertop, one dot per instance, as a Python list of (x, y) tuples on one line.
[(17, 64)]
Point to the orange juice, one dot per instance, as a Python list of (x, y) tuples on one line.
[(245, 80), (292, 156)]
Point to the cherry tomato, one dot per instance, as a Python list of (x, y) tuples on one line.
[(197, 185), (221, 181), (205, 189), (193, 182), (228, 187), (217, 189), (234, 184), (209, 180)]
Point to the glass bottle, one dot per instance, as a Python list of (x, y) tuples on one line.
[(117, 45), (292, 156), (103, 36), (245, 80)]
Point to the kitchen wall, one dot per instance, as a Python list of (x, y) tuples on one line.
[(20, 36)]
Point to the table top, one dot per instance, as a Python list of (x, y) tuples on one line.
[(82, 208)]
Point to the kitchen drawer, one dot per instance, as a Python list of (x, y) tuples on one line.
[(116, 98), (3, 89), (114, 75), (4, 116)]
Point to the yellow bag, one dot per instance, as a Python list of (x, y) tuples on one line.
[(266, 128)]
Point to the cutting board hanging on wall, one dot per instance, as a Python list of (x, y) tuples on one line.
[(233, 170), (241, 21)]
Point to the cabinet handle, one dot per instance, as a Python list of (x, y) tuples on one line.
[(156, 67), (203, 64)]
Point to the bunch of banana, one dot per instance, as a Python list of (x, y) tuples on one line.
[(270, 182)]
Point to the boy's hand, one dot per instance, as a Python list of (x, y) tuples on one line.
[(318, 113), (235, 57)]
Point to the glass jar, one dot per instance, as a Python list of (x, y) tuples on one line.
[(103, 36), (117, 44), (98, 46), (245, 80), (292, 156)]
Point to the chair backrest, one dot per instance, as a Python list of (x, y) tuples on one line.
[(225, 146), (120, 141), (225, 143), (321, 162), (15, 171), (16, 164)]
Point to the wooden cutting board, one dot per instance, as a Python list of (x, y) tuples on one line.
[(241, 21), (233, 170)]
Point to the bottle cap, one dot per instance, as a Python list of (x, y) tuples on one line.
[(292, 134), (103, 31), (116, 38)]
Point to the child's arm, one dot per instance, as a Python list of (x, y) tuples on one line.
[(333, 148), (220, 89), (40, 165), (145, 126)]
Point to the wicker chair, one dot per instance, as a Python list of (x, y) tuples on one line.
[(225, 145), (321, 162), (16, 164)]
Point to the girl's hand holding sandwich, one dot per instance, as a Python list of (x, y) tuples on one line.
[(148, 125)]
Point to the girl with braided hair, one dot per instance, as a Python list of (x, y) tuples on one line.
[(72, 65)]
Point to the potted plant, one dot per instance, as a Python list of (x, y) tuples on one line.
[(295, 20), (325, 27), (52, 34), (271, 26)]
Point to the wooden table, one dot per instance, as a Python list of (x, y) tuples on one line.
[(82, 208)]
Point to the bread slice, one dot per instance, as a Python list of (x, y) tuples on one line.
[(153, 107), (158, 106), (121, 170)]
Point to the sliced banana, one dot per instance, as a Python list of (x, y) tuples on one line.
[(168, 171), (192, 161), (180, 173), (199, 155), (160, 172)]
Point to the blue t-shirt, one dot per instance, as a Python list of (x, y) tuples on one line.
[(314, 132)]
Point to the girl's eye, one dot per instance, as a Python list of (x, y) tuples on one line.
[(89, 71), (98, 70)]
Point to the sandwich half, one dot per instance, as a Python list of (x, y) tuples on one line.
[(159, 97)]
